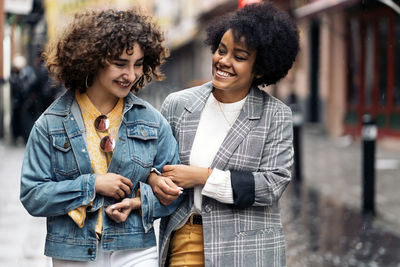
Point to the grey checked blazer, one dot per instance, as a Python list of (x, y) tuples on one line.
[(258, 151)]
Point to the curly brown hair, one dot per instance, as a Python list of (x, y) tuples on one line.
[(94, 38)]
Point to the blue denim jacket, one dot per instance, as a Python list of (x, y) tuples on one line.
[(57, 177)]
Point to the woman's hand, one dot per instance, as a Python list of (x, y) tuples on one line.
[(113, 185), (164, 189), (186, 176), (119, 212)]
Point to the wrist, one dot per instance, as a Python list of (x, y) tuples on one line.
[(152, 179), (135, 203), (205, 173)]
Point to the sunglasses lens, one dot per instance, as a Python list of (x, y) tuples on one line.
[(102, 123), (107, 144)]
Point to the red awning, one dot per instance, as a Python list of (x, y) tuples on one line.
[(242, 3)]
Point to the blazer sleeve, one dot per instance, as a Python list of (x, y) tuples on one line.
[(265, 186), (168, 111)]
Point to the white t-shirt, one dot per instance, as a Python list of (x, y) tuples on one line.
[(215, 122)]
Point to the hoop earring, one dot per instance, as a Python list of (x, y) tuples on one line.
[(86, 83)]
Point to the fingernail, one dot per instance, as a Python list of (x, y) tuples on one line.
[(180, 188), (113, 207)]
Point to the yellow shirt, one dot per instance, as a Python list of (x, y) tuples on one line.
[(99, 160)]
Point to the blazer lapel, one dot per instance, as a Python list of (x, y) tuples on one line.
[(190, 120), (248, 118)]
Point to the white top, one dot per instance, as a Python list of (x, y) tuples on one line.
[(215, 122)]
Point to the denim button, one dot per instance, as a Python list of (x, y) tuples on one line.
[(66, 145), (90, 251)]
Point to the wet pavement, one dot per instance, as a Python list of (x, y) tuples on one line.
[(322, 215), (321, 231)]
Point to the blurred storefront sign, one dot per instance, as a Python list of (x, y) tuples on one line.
[(178, 19), (21, 7), (181, 19), (319, 6), (60, 12)]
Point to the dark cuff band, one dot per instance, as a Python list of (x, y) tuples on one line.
[(243, 189)]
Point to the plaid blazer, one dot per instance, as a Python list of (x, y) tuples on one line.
[(259, 153)]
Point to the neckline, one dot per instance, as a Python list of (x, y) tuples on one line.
[(227, 107)]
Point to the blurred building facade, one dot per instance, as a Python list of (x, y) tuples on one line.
[(349, 63), (347, 66)]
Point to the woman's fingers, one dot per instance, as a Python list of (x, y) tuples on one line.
[(173, 189), (119, 212), (168, 168), (127, 182), (126, 189)]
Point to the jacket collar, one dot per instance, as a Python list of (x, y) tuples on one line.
[(62, 106), (252, 107)]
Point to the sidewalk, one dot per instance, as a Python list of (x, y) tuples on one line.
[(334, 169), (21, 235), (321, 229)]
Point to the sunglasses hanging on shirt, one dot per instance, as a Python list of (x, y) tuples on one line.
[(101, 124)]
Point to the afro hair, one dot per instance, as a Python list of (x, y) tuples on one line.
[(268, 30)]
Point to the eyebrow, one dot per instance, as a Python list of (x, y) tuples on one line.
[(126, 60), (237, 49)]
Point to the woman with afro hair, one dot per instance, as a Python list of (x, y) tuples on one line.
[(90, 153), (235, 145)]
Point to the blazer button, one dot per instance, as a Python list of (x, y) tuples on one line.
[(208, 208), (90, 251)]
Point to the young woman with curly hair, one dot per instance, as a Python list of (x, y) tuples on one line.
[(90, 153), (235, 142)]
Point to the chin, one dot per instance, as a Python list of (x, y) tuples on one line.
[(218, 84)]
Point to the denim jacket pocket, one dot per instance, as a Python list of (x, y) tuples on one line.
[(63, 159), (142, 143)]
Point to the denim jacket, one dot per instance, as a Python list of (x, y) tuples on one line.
[(57, 177)]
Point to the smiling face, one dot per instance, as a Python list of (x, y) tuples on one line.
[(232, 69), (116, 79)]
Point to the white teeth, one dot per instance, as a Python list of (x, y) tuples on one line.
[(223, 73), (124, 84)]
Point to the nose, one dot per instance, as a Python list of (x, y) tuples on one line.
[(131, 75), (225, 60)]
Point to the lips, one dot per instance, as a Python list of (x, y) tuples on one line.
[(123, 84), (223, 74)]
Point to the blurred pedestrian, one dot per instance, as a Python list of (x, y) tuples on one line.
[(22, 78), (236, 142), (91, 195), (43, 90)]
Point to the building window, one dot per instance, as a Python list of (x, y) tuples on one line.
[(396, 91), (354, 62), (383, 50), (369, 64)]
